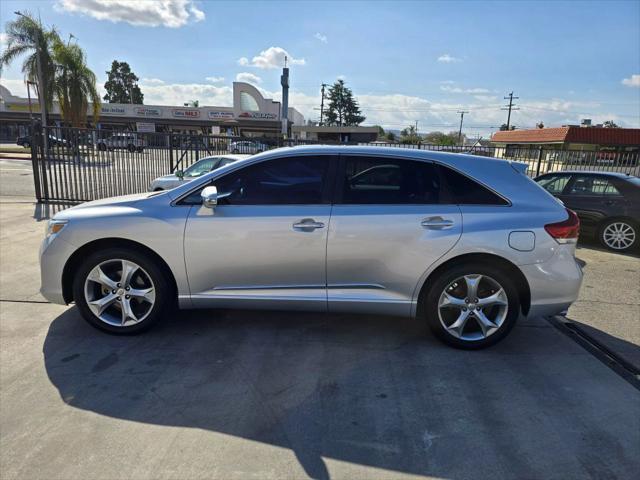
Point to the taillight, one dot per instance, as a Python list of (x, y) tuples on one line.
[(566, 231)]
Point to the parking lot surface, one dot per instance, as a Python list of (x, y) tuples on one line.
[(236, 395)]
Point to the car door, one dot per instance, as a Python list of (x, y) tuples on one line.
[(593, 198), (387, 227), (264, 244)]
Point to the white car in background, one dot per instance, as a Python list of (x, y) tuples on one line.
[(247, 147), (202, 166), (127, 140)]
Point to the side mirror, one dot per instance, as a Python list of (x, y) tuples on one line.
[(179, 174), (209, 197)]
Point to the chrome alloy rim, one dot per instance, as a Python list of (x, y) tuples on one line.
[(473, 307), (619, 235), (119, 292)]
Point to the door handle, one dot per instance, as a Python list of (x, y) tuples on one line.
[(307, 225), (436, 223)]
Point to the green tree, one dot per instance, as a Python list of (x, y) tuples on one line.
[(27, 36), (445, 139), (503, 127), (74, 84), (410, 135), (122, 85), (390, 136), (343, 109), (610, 124)]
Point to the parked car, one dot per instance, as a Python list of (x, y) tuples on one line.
[(196, 170), (607, 203), (24, 141), (312, 228), (247, 147), (129, 141)]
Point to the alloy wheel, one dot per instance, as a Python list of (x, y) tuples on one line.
[(119, 292), (619, 235), (473, 307)]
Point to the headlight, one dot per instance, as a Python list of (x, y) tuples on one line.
[(55, 226)]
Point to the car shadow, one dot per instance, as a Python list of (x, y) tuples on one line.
[(593, 244), (45, 211), (374, 391)]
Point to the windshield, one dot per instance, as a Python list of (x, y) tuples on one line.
[(199, 168)]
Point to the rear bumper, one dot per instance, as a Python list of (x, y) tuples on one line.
[(554, 284)]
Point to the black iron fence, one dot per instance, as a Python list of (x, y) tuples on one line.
[(76, 165)]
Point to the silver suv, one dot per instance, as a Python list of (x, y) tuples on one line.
[(128, 141), (467, 243)]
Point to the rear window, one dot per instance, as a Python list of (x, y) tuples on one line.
[(465, 191)]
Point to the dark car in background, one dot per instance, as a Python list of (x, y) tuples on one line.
[(607, 203)]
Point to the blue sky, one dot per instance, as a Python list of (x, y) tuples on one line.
[(405, 61)]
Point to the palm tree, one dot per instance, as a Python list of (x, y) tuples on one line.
[(74, 84), (27, 36)]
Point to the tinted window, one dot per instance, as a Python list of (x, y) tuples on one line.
[(282, 181), (554, 184), (200, 167), (372, 180), (584, 185), (464, 191)]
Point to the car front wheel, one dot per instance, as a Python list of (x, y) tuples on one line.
[(121, 291), (619, 235), (472, 306)]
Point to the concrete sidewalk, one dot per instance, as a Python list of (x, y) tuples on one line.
[(236, 395)]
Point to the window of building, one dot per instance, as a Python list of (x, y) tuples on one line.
[(248, 103)]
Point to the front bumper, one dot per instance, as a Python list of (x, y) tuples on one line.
[(54, 254), (554, 284)]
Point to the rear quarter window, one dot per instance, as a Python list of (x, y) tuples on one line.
[(463, 190)]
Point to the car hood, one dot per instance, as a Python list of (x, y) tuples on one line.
[(106, 206)]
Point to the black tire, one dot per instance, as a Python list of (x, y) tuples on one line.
[(26, 145), (140, 149), (235, 150), (445, 278), (131, 148), (611, 246), (102, 147), (165, 300)]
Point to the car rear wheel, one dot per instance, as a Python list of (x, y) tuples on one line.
[(131, 148), (121, 291), (102, 147), (620, 235), (472, 306)]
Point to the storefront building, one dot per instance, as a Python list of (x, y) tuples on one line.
[(251, 115)]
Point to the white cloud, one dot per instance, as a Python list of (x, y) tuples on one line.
[(322, 38), (146, 13), (16, 86), (632, 81), (248, 77), (154, 81), (3, 40), (161, 93), (272, 57), (446, 58), (214, 79), (448, 88)]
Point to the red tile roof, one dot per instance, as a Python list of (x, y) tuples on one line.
[(592, 135)]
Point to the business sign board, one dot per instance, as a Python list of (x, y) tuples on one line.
[(185, 113), (258, 115), (148, 111), (110, 110), (220, 114), (146, 127), (22, 107)]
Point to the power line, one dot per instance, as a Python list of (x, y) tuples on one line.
[(510, 107)]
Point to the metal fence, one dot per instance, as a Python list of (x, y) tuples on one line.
[(76, 165)]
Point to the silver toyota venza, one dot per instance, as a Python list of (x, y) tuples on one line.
[(467, 243)]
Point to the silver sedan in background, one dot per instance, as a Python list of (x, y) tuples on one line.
[(468, 244), (199, 168)]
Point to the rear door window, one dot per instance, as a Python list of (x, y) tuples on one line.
[(388, 181), (592, 186)]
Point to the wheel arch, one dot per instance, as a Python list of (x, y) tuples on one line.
[(521, 283), (75, 260)]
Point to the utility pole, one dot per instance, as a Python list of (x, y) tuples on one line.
[(324, 85), (416, 128), (510, 107), (461, 112)]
